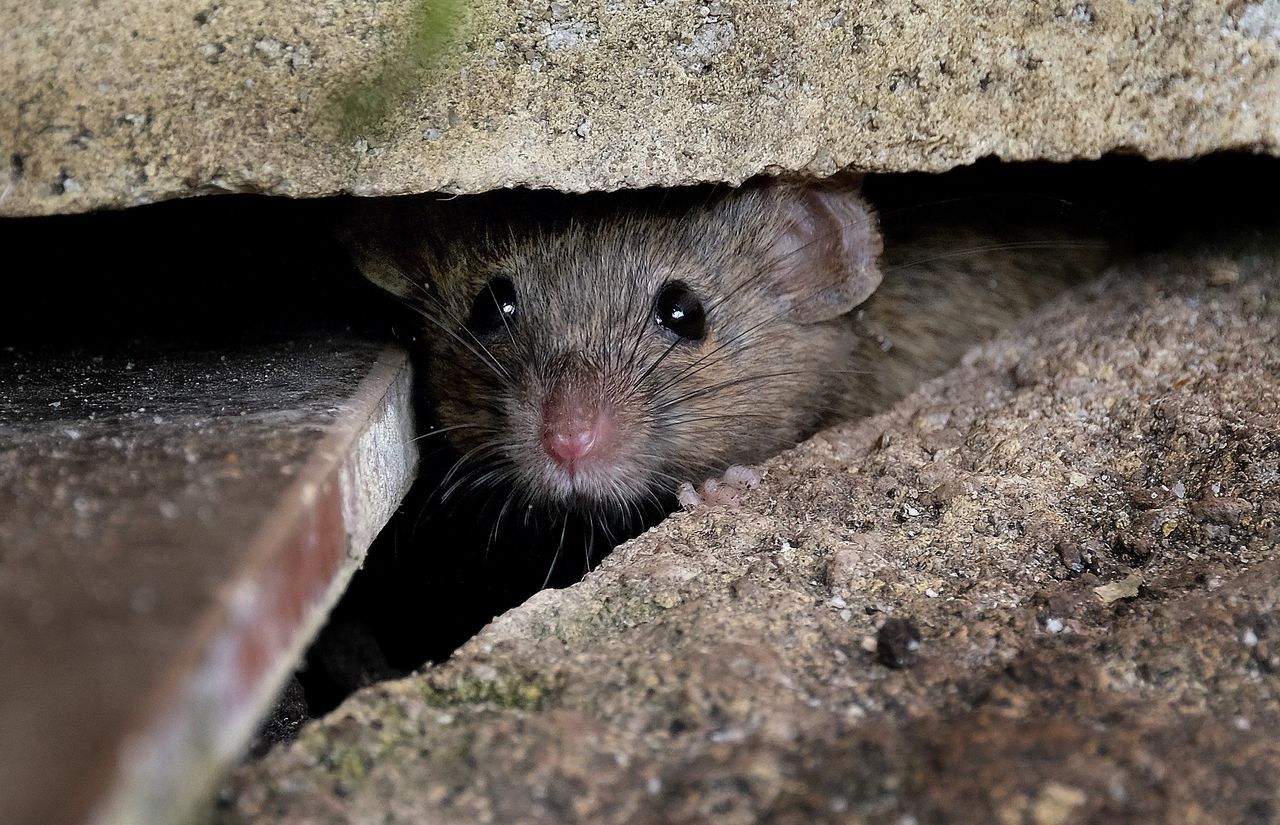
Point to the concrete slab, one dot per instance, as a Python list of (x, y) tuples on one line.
[(123, 102), (174, 525)]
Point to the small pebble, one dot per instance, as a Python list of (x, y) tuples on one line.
[(1069, 554), (897, 643), (947, 491), (1223, 273), (1222, 510), (1126, 588)]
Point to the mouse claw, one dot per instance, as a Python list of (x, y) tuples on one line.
[(719, 491), (740, 476)]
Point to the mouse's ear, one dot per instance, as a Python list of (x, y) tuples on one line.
[(378, 234), (824, 259)]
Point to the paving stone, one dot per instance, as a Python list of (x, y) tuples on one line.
[(174, 525), (124, 102)]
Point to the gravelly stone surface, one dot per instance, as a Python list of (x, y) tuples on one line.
[(1081, 524), (124, 102)]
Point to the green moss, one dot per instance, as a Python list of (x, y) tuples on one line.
[(363, 105), (509, 691), (351, 764)]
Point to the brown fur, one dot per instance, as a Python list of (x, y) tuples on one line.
[(947, 290)]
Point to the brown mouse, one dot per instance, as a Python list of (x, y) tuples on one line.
[(593, 352)]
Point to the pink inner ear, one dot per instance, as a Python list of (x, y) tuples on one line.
[(824, 261)]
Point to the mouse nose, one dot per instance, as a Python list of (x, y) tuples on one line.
[(574, 429)]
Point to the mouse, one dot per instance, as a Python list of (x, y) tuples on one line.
[(594, 353)]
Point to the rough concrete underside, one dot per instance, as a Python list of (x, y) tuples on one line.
[(1081, 523), (123, 102)]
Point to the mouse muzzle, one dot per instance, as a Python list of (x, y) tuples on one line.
[(580, 444), (578, 426)]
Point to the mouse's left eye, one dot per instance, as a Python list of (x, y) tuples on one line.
[(679, 311), (494, 309)]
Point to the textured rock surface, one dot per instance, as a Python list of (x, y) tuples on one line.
[(1081, 524), (129, 101)]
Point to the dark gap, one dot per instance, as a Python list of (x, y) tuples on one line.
[(214, 271)]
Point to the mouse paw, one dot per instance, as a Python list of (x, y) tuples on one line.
[(719, 491)]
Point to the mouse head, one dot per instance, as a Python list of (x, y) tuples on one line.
[(594, 351)]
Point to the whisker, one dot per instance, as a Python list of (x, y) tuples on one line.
[(657, 361), (441, 431), (484, 357), (556, 557), (705, 361), (724, 385)]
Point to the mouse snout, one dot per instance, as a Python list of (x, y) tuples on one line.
[(581, 433), (576, 428)]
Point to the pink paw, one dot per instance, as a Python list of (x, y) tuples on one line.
[(719, 491)]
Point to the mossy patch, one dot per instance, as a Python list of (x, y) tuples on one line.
[(509, 691), (365, 104)]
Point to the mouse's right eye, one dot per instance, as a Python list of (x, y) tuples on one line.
[(494, 309)]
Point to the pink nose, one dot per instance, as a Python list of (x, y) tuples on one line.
[(573, 430), (569, 446)]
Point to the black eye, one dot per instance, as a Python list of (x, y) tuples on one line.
[(494, 309), (680, 312)]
